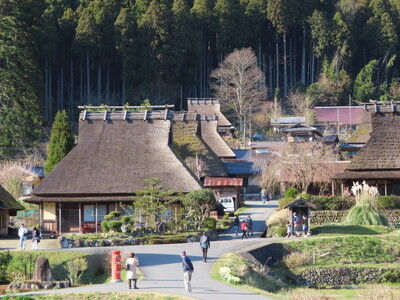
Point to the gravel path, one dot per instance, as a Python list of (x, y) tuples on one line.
[(161, 264)]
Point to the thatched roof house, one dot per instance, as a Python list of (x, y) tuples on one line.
[(212, 138), (8, 207), (378, 162), (116, 152)]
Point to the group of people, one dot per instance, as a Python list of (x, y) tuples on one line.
[(246, 226), (265, 197), (298, 225), (23, 236), (132, 263)]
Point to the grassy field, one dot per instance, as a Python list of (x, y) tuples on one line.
[(342, 229), (103, 296)]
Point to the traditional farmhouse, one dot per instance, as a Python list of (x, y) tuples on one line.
[(8, 207), (378, 162), (280, 123), (302, 133), (117, 151), (226, 187)]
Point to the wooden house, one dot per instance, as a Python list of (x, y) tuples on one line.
[(378, 162), (116, 151), (302, 133), (8, 207), (226, 187)]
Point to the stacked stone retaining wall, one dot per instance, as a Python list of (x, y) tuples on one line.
[(336, 216)]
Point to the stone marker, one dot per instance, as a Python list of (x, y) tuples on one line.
[(42, 270)]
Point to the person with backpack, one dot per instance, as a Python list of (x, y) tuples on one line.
[(204, 245), (35, 238), (131, 273), (249, 222), (188, 269), (243, 228)]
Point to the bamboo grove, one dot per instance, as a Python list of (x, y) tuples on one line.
[(56, 54)]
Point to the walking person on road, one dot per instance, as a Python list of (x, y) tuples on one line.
[(204, 245), (131, 273), (249, 222), (187, 272), (35, 238), (243, 228), (236, 224), (23, 235)]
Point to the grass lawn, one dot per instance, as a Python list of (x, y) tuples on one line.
[(104, 296), (342, 229), (241, 210)]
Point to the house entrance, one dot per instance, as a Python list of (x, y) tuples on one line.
[(70, 217)]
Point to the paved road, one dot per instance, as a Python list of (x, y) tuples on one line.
[(161, 264)]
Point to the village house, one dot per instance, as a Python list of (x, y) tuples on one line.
[(8, 208), (378, 162), (340, 118), (280, 123), (117, 151), (302, 133)]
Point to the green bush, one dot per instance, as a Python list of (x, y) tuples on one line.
[(5, 258), (169, 240), (332, 202), (291, 193), (112, 215), (306, 197), (210, 223), (126, 220), (75, 269), (364, 215), (104, 226), (284, 201), (392, 276), (115, 225), (388, 202), (277, 231)]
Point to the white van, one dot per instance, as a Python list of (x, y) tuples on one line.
[(228, 203)]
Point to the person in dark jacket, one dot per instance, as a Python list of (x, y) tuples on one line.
[(35, 238), (204, 245), (236, 224), (188, 269)]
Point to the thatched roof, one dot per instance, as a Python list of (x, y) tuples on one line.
[(187, 144), (382, 151), (8, 202), (210, 107), (212, 138), (115, 157)]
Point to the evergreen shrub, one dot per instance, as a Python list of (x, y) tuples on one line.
[(115, 225), (210, 223)]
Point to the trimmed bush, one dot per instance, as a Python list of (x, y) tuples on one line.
[(279, 217), (113, 215), (104, 226), (291, 193), (5, 258), (284, 201), (392, 276), (364, 215), (210, 223), (126, 220), (277, 231), (332, 202), (296, 260), (388, 202), (115, 225)]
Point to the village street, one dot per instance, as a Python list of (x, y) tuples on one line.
[(161, 264)]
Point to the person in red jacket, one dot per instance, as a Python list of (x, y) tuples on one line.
[(244, 227)]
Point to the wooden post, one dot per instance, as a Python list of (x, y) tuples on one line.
[(41, 216), (59, 218), (333, 188), (385, 187), (80, 217), (342, 188), (308, 221), (96, 217)]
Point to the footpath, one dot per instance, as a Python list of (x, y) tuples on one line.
[(162, 269)]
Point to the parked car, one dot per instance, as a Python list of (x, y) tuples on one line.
[(228, 203)]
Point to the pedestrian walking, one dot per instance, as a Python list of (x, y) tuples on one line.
[(305, 225), (131, 273), (204, 245), (35, 238), (23, 235), (263, 196), (243, 228), (187, 272), (236, 224), (289, 229), (249, 222)]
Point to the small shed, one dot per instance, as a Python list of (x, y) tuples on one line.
[(301, 207)]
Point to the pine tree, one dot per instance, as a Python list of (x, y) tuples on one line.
[(61, 141), (364, 87)]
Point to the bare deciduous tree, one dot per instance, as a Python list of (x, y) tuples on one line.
[(301, 104), (301, 165), (239, 82)]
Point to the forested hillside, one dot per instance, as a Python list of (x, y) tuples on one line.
[(61, 53)]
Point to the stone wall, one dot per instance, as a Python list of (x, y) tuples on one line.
[(339, 276), (37, 285), (336, 216)]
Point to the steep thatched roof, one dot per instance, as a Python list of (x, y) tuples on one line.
[(187, 144), (208, 107), (115, 157), (361, 135), (8, 202), (212, 138), (380, 157), (382, 151)]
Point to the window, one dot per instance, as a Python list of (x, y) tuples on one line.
[(89, 212)]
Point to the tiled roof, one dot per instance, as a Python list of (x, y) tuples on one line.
[(242, 168), (223, 181), (340, 114)]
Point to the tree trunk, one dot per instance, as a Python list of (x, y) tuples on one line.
[(99, 83), (181, 104), (62, 90), (270, 71), (58, 92), (87, 77), (46, 92), (303, 59), (50, 95), (71, 92), (108, 82), (81, 83), (277, 61), (123, 82), (285, 88), (294, 62)]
